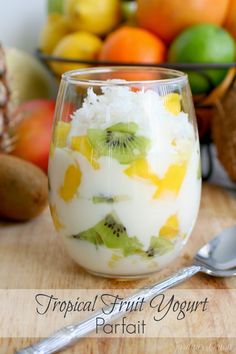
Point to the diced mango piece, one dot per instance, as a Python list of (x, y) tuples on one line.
[(171, 228), (62, 131), (82, 145), (172, 103), (71, 183), (140, 168), (172, 180), (114, 259), (55, 218)]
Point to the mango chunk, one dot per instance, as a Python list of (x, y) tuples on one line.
[(114, 259), (71, 183), (55, 218), (82, 145), (62, 131), (172, 180), (172, 103), (140, 168), (171, 228)]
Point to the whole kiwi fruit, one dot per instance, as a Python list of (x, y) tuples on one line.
[(23, 189)]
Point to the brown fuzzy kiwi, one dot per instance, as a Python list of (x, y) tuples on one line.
[(23, 189), (224, 131)]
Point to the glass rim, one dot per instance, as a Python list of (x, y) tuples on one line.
[(73, 76)]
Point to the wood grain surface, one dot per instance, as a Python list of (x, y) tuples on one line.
[(31, 258)]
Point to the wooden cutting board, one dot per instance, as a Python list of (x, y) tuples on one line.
[(31, 258)]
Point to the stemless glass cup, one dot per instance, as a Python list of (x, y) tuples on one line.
[(124, 168)]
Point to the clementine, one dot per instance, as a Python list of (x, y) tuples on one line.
[(133, 45), (230, 23), (167, 18)]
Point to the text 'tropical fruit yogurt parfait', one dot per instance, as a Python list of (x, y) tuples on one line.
[(124, 169)]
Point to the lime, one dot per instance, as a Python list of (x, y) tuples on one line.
[(204, 43), (55, 6)]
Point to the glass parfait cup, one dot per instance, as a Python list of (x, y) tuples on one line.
[(124, 168)]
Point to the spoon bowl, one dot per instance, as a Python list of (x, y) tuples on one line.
[(218, 256)]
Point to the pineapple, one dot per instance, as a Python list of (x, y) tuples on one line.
[(8, 119)]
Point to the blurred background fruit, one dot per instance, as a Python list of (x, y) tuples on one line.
[(224, 131), (204, 43), (167, 18), (97, 17), (23, 189), (205, 111), (133, 45), (28, 78), (55, 6), (34, 131), (53, 31), (230, 22), (129, 12), (78, 45)]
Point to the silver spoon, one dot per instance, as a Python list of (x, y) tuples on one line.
[(216, 258)]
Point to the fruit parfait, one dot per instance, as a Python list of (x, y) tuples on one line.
[(124, 170)]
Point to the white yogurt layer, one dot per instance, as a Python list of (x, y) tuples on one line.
[(173, 142)]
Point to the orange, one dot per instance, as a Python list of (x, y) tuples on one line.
[(133, 45), (167, 18), (230, 23)]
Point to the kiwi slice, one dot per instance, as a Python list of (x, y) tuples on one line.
[(91, 236), (119, 142), (159, 246), (112, 234), (124, 127), (97, 199)]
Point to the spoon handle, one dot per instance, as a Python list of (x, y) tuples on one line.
[(70, 334)]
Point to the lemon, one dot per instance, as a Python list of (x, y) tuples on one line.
[(78, 45), (53, 31), (95, 16)]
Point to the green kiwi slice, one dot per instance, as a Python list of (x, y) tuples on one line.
[(97, 199), (159, 246), (119, 142), (112, 234), (124, 127), (91, 236)]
